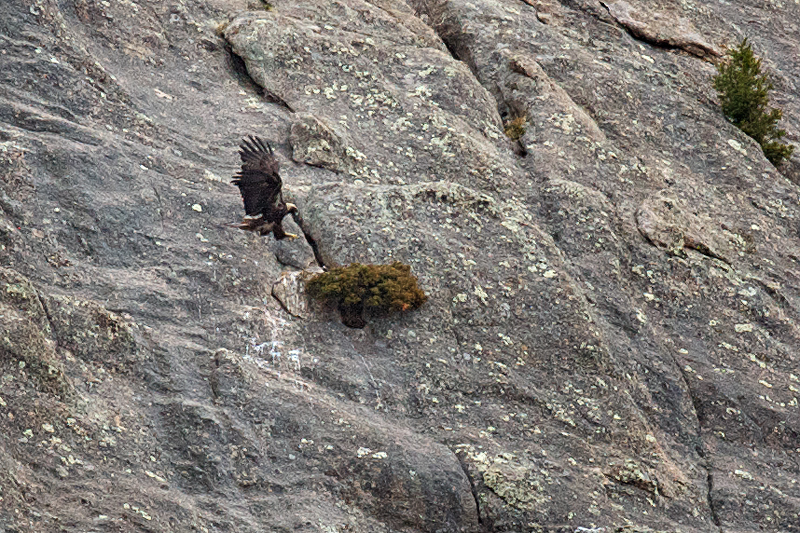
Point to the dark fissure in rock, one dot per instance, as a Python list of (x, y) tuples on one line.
[(241, 73), (483, 526), (309, 239)]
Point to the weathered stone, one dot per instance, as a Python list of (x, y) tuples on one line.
[(665, 222), (25, 334), (289, 290), (92, 332), (316, 143), (613, 307), (661, 29)]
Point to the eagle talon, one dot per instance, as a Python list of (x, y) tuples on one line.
[(291, 236)]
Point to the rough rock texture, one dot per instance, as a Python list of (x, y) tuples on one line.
[(660, 29), (611, 338)]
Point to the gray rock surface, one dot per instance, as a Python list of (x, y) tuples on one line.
[(611, 337)]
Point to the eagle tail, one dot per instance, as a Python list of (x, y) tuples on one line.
[(256, 225)]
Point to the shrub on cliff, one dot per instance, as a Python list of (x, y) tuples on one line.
[(515, 128), (356, 287), (743, 91)]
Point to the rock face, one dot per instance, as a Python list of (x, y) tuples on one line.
[(611, 338), (660, 30)]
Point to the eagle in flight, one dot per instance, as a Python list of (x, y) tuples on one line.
[(260, 185)]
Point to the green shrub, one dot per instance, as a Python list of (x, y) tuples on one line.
[(743, 91), (515, 128), (356, 287)]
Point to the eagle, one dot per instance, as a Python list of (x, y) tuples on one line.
[(260, 185)]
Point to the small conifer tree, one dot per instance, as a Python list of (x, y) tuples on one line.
[(743, 90)]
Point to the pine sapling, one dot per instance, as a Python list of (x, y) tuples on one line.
[(744, 93)]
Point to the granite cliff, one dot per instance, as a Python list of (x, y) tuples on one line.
[(611, 338)]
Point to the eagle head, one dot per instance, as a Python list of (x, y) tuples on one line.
[(291, 208)]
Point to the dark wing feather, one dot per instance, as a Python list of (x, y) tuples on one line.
[(258, 181)]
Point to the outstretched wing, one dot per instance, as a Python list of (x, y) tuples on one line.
[(258, 181)]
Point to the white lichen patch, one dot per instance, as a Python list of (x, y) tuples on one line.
[(736, 145), (460, 298), (480, 293), (363, 452)]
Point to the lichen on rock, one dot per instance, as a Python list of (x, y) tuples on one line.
[(318, 144), (26, 334)]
